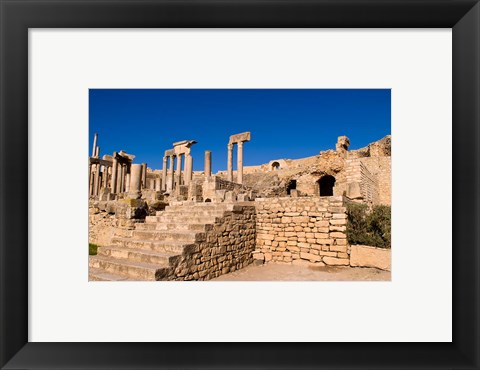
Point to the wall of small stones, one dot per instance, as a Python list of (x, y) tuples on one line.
[(224, 248), (106, 218), (300, 229)]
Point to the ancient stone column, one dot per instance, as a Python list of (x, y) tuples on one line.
[(179, 169), (164, 174), (114, 176), (94, 148), (127, 181), (135, 181), (230, 162), (97, 152), (188, 168), (240, 162), (208, 163), (172, 179), (122, 178), (158, 183), (144, 175), (96, 180), (90, 179), (119, 178)]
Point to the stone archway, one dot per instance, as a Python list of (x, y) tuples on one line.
[(325, 185), (275, 166), (292, 185)]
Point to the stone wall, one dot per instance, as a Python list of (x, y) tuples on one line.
[(107, 218), (381, 168), (305, 228), (358, 173), (213, 184), (225, 247)]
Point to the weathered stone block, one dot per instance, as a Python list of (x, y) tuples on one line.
[(338, 248), (366, 256), (310, 257), (336, 261)]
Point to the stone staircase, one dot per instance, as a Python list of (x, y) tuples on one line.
[(153, 249)]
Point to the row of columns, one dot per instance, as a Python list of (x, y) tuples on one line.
[(176, 175)]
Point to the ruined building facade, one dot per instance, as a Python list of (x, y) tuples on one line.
[(178, 224)]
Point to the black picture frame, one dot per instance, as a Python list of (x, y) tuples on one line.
[(17, 16)]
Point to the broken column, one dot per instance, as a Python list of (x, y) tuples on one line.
[(94, 148), (208, 163), (342, 145), (135, 181)]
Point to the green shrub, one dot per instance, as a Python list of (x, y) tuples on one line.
[(92, 249), (369, 227)]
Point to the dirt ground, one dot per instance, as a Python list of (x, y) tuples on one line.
[(288, 272)]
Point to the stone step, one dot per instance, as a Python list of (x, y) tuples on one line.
[(95, 274), (181, 226), (145, 226), (193, 213), (139, 255), (170, 246), (177, 235), (187, 219), (132, 269), (200, 207)]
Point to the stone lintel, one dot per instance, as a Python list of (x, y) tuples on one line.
[(102, 162), (187, 143), (238, 138), (124, 155), (169, 152)]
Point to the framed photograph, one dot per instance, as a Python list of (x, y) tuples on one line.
[(292, 181)]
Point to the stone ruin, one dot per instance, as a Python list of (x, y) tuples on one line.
[(180, 224)]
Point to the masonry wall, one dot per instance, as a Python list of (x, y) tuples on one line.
[(106, 218), (305, 228), (381, 168), (358, 172), (225, 247)]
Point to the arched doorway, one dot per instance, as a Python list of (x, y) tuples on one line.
[(292, 185), (325, 185), (275, 166)]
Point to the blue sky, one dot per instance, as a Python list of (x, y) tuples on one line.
[(284, 123)]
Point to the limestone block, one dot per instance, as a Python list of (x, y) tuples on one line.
[(328, 254), (336, 261), (366, 256), (324, 241), (310, 257), (338, 248), (338, 235), (337, 209)]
